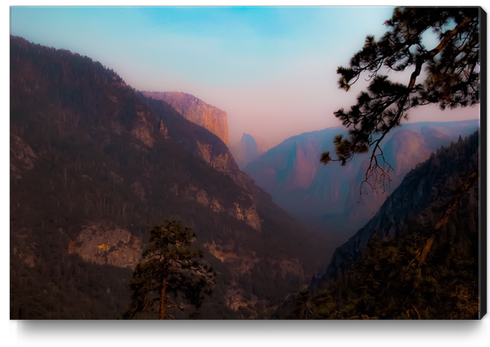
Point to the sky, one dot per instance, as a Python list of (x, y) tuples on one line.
[(272, 69)]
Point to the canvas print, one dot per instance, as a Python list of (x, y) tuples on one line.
[(247, 163)]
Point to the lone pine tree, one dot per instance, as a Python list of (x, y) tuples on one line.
[(170, 269), (451, 78)]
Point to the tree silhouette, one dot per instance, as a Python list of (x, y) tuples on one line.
[(169, 266), (303, 306), (451, 79)]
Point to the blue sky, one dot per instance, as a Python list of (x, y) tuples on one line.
[(272, 69)]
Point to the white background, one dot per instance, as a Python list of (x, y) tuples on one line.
[(211, 333)]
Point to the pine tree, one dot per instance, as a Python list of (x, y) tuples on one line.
[(452, 78), (169, 267), (303, 306)]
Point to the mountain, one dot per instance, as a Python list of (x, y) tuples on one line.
[(196, 110), (246, 150), (94, 164), (262, 144), (423, 196), (419, 257), (330, 195)]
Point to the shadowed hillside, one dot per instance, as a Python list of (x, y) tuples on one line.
[(93, 166), (422, 195)]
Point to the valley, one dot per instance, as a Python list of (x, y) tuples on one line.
[(330, 197), (95, 164)]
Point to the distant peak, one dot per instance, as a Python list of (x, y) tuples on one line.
[(248, 139), (247, 136)]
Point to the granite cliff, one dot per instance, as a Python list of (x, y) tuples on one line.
[(196, 110), (246, 150), (329, 196)]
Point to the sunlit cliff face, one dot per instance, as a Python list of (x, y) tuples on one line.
[(197, 111)]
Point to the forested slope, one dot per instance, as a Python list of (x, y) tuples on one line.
[(92, 167), (418, 257)]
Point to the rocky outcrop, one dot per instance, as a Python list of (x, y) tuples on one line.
[(22, 157), (219, 160), (247, 304), (239, 264), (21, 151), (163, 130), (142, 129), (197, 111), (248, 214), (222, 253), (25, 248), (106, 244), (244, 209)]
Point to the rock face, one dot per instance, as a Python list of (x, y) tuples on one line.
[(246, 150), (105, 244), (404, 150), (22, 157), (239, 210), (262, 144), (292, 174), (206, 146), (329, 195), (197, 111)]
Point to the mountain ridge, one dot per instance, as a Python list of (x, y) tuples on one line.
[(417, 196), (196, 110), (246, 150), (328, 195), (92, 167)]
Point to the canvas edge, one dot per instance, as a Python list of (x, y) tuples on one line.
[(483, 168)]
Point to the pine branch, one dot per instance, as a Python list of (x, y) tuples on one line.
[(385, 104)]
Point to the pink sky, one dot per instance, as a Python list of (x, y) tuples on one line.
[(272, 69)]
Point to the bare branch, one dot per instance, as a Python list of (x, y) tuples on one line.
[(385, 104)]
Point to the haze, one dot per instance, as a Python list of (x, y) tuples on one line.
[(272, 69)]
